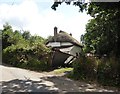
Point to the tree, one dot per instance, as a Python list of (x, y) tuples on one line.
[(26, 35), (7, 34), (10, 37), (82, 5), (23, 49), (102, 32), (36, 39)]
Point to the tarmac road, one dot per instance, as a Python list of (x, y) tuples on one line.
[(22, 80)]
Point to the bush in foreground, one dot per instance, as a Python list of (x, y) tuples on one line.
[(105, 71), (108, 72), (84, 68)]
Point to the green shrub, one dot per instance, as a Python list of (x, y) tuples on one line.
[(14, 55), (23, 49), (108, 72), (35, 64), (105, 71), (85, 68), (35, 58)]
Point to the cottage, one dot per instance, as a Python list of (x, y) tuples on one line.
[(65, 48)]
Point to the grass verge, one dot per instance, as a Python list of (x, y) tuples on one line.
[(62, 70)]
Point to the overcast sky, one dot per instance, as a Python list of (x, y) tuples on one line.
[(38, 17)]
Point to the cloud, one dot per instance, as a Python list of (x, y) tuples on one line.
[(19, 15), (29, 15)]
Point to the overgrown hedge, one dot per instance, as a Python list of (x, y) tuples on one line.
[(23, 49), (36, 57), (84, 68), (105, 71), (108, 72)]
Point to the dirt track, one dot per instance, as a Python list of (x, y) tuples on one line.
[(21, 80)]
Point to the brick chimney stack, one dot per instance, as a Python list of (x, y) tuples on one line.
[(55, 31)]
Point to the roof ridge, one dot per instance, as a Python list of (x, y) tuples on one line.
[(70, 37), (63, 36)]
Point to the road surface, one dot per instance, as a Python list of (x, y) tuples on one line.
[(22, 80)]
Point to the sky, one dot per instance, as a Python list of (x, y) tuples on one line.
[(37, 17)]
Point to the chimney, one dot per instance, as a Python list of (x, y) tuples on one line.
[(70, 34), (55, 31)]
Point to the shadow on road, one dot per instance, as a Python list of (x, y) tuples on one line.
[(52, 84), (48, 83), (25, 86), (63, 84)]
